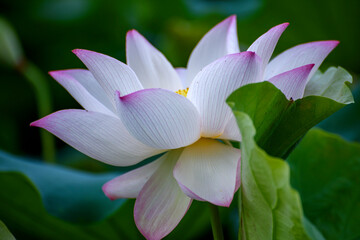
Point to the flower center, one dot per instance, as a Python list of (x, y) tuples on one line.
[(182, 92)]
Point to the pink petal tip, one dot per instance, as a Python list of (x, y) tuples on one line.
[(132, 33), (37, 123), (232, 18), (106, 192), (56, 73), (76, 51), (334, 42)]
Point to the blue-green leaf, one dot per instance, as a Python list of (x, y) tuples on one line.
[(42, 201), (68, 194)]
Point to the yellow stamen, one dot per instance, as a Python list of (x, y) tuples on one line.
[(182, 92)]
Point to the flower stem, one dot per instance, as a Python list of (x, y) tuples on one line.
[(42, 93), (216, 223)]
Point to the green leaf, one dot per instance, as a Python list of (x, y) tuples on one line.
[(331, 84), (5, 234), (41, 201), (270, 208), (279, 122), (21, 208), (325, 170), (68, 194)]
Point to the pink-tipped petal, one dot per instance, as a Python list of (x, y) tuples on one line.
[(111, 74), (216, 82), (149, 64), (218, 42), (292, 83), (208, 169), (308, 53), (161, 204), (160, 118), (264, 46), (97, 135), (130, 184), (182, 75), (85, 89)]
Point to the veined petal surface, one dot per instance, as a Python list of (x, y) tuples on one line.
[(300, 55), (216, 82), (218, 42), (208, 168), (85, 89), (160, 118), (149, 64), (130, 184), (97, 135), (161, 204), (111, 74), (264, 46), (292, 83)]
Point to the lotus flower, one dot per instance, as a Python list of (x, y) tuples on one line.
[(146, 107)]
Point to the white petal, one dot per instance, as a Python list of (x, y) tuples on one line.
[(208, 169), (308, 53), (218, 42), (264, 46), (160, 118), (231, 130), (130, 184), (111, 74), (97, 135), (161, 204), (216, 82), (292, 83), (149, 64), (85, 89), (182, 75)]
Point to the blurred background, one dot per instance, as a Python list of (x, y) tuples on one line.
[(49, 29)]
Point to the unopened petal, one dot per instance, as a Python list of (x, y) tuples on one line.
[(160, 118), (161, 204), (149, 64), (85, 89), (130, 184), (216, 82), (97, 135), (208, 169), (111, 74), (308, 53), (218, 42), (292, 83)]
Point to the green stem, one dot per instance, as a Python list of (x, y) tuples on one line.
[(216, 223), (42, 93), (241, 232)]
